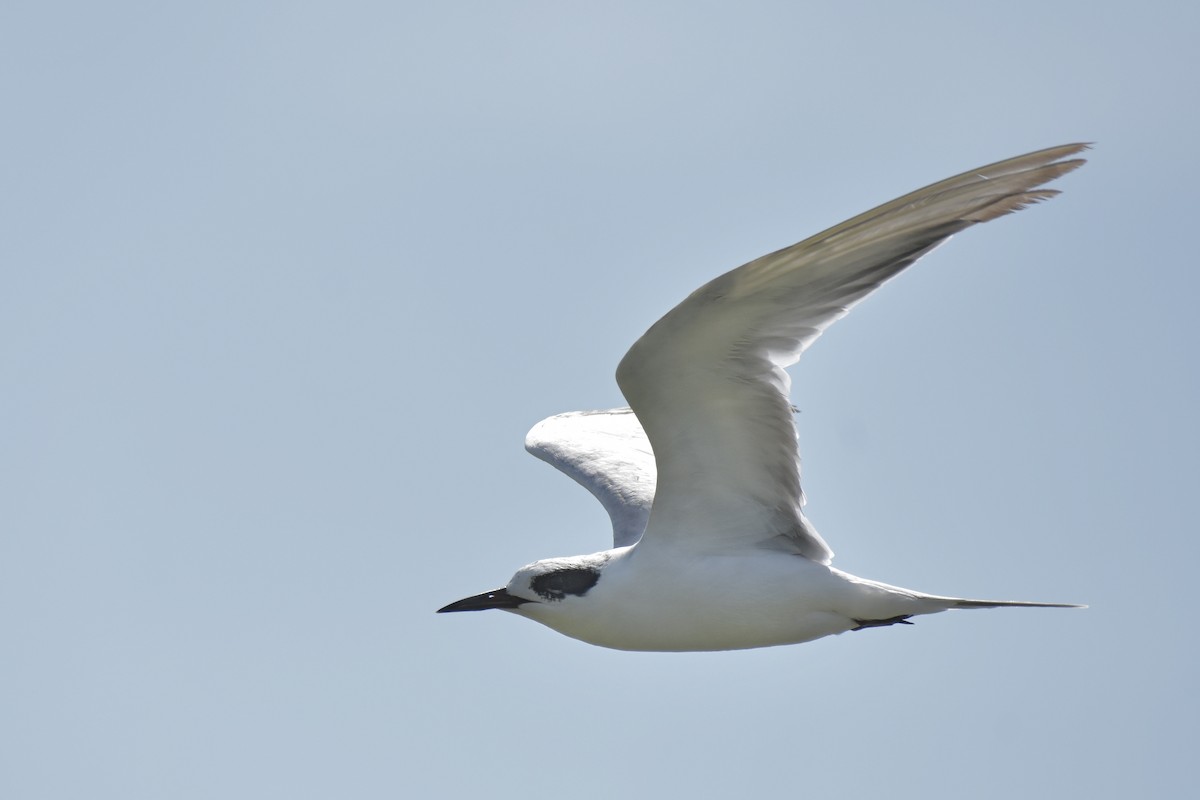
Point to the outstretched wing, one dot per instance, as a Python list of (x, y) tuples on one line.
[(607, 453), (707, 381)]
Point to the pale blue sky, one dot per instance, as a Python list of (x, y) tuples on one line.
[(282, 286)]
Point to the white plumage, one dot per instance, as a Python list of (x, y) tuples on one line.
[(701, 477)]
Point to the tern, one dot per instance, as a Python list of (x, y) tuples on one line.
[(701, 473)]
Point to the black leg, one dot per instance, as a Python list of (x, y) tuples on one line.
[(880, 623)]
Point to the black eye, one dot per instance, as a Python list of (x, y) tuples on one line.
[(562, 582)]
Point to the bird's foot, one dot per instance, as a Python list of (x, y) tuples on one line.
[(879, 623)]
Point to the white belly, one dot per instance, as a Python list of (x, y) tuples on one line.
[(721, 602)]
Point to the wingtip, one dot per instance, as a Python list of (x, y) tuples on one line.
[(1063, 150), (1059, 158)]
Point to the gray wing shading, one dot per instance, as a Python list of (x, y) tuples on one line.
[(608, 454), (707, 381)]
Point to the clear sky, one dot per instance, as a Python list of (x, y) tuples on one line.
[(283, 285)]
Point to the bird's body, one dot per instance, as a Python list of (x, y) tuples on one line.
[(701, 476), (647, 600)]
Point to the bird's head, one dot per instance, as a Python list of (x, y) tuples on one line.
[(541, 586)]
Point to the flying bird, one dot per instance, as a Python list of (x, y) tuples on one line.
[(701, 473)]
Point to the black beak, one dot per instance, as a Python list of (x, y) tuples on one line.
[(499, 598)]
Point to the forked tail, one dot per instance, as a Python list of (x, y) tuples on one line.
[(958, 602)]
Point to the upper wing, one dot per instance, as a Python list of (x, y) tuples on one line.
[(608, 453), (708, 383)]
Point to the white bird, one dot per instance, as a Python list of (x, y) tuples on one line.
[(701, 475)]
